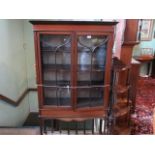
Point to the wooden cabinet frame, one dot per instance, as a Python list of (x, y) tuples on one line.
[(74, 29)]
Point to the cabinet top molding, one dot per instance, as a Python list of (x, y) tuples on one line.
[(73, 22)]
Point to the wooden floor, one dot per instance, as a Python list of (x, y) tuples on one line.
[(30, 127), (32, 119), (20, 131)]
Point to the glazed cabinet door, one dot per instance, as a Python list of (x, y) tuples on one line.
[(55, 59), (91, 70), (74, 69)]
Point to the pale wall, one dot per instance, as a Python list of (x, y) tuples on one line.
[(144, 44), (31, 72), (13, 72)]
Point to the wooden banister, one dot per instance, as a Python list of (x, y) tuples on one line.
[(16, 103)]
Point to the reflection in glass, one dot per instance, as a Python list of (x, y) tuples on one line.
[(57, 96), (92, 52), (56, 60), (91, 65), (90, 97)]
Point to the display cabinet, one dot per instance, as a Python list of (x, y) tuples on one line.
[(121, 102), (130, 38), (73, 65)]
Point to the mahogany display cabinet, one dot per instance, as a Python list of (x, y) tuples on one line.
[(73, 66)]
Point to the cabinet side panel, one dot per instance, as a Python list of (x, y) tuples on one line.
[(38, 66), (36, 58), (108, 70)]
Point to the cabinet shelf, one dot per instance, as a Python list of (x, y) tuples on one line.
[(79, 83), (67, 67), (120, 112), (89, 102), (90, 83), (121, 89), (89, 68), (57, 67), (122, 103), (82, 102), (53, 51), (57, 101), (58, 83), (118, 66)]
